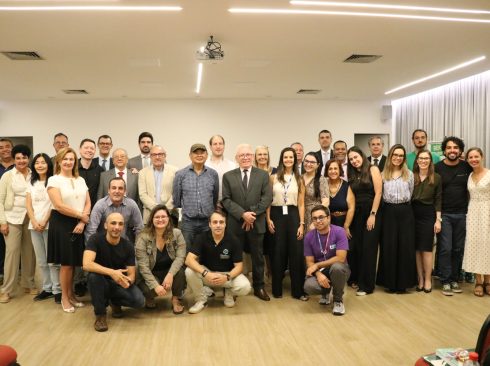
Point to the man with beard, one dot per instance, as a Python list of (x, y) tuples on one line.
[(450, 242), (145, 143), (419, 139)]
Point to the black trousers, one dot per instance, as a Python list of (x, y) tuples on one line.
[(287, 249), (363, 248), (2, 253), (397, 269), (178, 285)]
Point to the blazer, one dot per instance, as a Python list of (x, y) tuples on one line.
[(135, 162), (381, 163), (146, 189), (131, 184), (236, 200), (99, 161), (319, 157), (146, 256)]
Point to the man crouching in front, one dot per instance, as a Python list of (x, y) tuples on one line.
[(110, 261), (215, 260)]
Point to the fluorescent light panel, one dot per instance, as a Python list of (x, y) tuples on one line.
[(90, 8), (353, 13), (199, 78), (388, 6), (443, 72)]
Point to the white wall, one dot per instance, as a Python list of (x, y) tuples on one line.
[(177, 124)]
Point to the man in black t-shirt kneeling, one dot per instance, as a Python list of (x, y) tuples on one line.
[(110, 261), (215, 260)]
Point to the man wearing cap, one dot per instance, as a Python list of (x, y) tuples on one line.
[(195, 190)]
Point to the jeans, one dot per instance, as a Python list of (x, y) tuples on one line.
[(103, 289), (450, 247), (191, 228), (337, 273), (50, 272)]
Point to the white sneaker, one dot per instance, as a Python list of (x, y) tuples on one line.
[(198, 307), (229, 300), (324, 300), (455, 288), (338, 308), (446, 290), (361, 293)]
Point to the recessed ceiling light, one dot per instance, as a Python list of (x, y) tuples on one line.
[(353, 13), (388, 6), (90, 8), (199, 78), (443, 72)]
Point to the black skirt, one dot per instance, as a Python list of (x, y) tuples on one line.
[(64, 247), (425, 217)]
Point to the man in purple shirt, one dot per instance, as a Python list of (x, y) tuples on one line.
[(325, 250)]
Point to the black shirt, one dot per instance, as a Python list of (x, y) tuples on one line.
[(163, 261), (454, 186), (118, 256), (92, 178), (217, 257)]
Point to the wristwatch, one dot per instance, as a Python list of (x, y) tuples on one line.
[(228, 277), (204, 273), (373, 213)]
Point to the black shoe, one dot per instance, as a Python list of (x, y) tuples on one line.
[(80, 289), (262, 294), (43, 296), (57, 298)]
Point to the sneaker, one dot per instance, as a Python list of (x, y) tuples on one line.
[(229, 300), (338, 308), (324, 300), (57, 298), (100, 324), (4, 298), (208, 291), (446, 290), (116, 311), (43, 296), (455, 288), (361, 293), (198, 307)]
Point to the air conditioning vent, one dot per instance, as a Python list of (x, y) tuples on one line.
[(362, 59), (75, 91), (308, 91), (22, 55)]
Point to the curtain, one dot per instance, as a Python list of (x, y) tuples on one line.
[(458, 109)]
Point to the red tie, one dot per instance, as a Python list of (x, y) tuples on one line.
[(120, 174)]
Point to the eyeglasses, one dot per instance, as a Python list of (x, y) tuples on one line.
[(243, 156), (160, 217), (398, 155), (310, 162), (105, 143), (318, 218), (158, 155), (421, 158)]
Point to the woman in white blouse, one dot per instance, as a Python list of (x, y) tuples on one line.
[(39, 210), (71, 208), (14, 225), (397, 269)]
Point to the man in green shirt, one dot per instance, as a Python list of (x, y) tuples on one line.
[(419, 139)]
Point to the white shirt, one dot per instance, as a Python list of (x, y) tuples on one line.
[(73, 190), (125, 174), (41, 203), (326, 156), (221, 166), (20, 185)]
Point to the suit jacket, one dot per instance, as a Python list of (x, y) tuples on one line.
[(236, 200), (131, 184), (146, 189), (319, 157), (135, 162), (99, 161), (381, 163)]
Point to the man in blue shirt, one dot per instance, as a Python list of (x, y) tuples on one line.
[(195, 190), (325, 250)]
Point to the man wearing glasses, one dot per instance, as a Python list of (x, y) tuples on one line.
[(325, 251), (246, 196), (104, 143), (155, 182)]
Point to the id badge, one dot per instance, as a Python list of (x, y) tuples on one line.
[(284, 210)]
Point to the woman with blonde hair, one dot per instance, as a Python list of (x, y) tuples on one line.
[(396, 270), (69, 196)]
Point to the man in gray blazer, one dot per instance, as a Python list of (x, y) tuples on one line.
[(246, 196), (120, 159), (138, 162)]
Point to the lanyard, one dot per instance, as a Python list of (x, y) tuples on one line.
[(285, 192), (324, 251)]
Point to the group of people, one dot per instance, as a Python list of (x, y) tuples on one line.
[(140, 227)]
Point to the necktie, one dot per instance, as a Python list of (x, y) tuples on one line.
[(120, 174), (245, 179), (376, 162), (104, 161)]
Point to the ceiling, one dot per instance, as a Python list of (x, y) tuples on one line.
[(151, 55)]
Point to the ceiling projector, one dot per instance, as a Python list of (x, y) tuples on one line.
[(212, 51)]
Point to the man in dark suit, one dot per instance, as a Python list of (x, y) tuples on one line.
[(138, 162), (376, 145), (246, 196), (325, 153), (300, 152), (104, 143), (120, 158)]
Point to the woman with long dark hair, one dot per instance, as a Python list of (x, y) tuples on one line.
[(160, 252), (316, 187), (367, 186), (285, 219), (39, 210), (426, 205)]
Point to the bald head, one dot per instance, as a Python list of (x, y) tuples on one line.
[(114, 225)]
